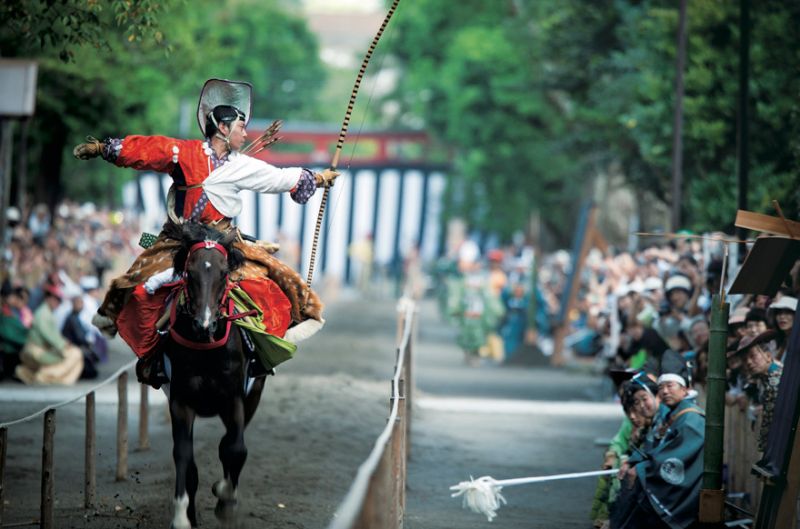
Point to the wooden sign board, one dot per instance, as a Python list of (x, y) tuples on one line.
[(767, 224), (17, 87), (766, 266)]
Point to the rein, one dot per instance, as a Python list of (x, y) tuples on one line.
[(180, 287)]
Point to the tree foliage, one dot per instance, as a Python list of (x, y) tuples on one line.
[(538, 97), (136, 67)]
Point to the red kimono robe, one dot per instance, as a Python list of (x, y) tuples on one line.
[(204, 185)]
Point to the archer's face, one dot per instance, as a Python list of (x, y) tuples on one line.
[(238, 134)]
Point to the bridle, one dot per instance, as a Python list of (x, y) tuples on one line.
[(226, 304)]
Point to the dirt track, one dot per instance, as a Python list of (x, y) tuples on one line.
[(317, 423)]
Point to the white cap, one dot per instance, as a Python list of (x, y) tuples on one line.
[(671, 377), (653, 283), (12, 214), (636, 286), (784, 303), (469, 252), (89, 282), (72, 291), (678, 281)]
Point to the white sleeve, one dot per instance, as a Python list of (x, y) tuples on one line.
[(261, 177), (245, 173), (156, 281)]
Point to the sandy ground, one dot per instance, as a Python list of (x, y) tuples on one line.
[(317, 423), (505, 422)]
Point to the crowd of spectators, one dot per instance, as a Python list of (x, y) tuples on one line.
[(53, 268), (645, 317), (495, 301)]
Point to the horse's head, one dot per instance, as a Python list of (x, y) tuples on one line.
[(206, 256)]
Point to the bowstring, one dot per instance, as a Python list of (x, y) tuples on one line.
[(336, 196)]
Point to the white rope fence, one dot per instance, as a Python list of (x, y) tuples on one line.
[(350, 508), (483, 496), (41, 412), (48, 502)]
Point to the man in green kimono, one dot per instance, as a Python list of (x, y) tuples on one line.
[(47, 357), (472, 305), (666, 474)]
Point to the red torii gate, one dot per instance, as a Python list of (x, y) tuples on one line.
[(313, 146)]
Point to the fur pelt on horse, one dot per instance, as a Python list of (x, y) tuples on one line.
[(258, 263)]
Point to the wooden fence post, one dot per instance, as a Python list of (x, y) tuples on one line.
[(144, 410), (3, 448), (122, 427), (90, 474), (399, 457), (46, 510)]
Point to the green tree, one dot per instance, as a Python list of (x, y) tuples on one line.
[(538, 97), (121, 80)]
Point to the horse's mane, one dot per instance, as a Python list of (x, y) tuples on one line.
[(189, 233)]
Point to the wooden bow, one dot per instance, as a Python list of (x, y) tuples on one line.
[(343, 134)]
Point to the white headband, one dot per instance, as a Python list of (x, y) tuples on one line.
[(671, 377)]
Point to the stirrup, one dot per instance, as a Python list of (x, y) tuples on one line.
[(255, 369), (149, 371)]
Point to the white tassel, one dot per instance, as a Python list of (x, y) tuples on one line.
[(480, 495), (483, 496)]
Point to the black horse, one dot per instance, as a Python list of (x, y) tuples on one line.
[(208, 367)]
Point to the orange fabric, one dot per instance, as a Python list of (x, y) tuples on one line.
[(137, 320), (276, 306), (184, 160)]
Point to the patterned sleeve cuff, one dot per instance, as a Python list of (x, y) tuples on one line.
[(111, 149), (305, 187)]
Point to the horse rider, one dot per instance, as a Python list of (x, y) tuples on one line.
[(207, 177)]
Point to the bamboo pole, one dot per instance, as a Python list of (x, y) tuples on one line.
[(712, 497)]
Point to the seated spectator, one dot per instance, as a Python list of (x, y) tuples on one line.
[(47, 358), (515, 321), (15, 318), (737, 324), (606, 489), (735, 377), (659, 357), (783, 311), (764, 375), (756, 321), (76, 332), (641, 402), (663, 479), (698, 332), (679, 296)]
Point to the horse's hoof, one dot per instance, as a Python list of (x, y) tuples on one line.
[(223, 489), (180, 520), (225, 511)]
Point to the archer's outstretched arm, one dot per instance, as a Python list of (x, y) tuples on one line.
[(145, 153)]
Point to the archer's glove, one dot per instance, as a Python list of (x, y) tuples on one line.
[(326, 177), (91, 149)]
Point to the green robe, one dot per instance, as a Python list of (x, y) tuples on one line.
[(670, 468), (474, 308), (45, 334)]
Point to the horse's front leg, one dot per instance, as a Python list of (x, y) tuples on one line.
[(232, 454), (184, 516)]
